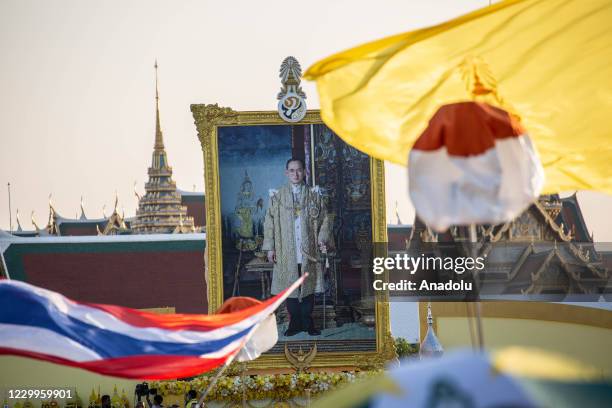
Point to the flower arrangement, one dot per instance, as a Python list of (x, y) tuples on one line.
[(279, 387)]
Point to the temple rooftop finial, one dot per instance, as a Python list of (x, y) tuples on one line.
[(430, 347), (136, 192), (34, 221), (19, 229), (83, 216), (398, 221), (51, 209), (159, 140)]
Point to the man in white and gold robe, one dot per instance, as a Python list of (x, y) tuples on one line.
[(295, 224)]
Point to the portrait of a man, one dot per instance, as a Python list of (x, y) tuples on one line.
[(296, 199), (296, 231)]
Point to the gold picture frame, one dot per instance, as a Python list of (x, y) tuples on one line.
[(208, 118)]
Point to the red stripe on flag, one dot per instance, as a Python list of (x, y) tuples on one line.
[(467, 129), (139, 318), (154, 367)]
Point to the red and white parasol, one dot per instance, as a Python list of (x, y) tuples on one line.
[(474, 164)]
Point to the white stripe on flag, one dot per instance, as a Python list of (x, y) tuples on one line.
[(27, 338), (103, 320), (35, 339)]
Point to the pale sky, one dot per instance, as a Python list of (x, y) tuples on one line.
[(77, 88)]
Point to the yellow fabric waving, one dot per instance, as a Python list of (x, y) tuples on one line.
[(547, 61), (543, 365)]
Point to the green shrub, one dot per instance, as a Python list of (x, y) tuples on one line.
[(405, 349)]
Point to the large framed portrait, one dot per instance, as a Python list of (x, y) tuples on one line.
[(283, 199)]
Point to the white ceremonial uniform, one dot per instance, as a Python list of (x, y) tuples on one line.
[(297, 222)]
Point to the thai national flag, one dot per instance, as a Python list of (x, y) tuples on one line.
[(122, 342)]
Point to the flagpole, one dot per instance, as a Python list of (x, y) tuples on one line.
[(246, 339), (229, 361), (216, 378)]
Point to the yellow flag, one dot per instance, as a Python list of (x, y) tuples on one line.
[(547, 61)]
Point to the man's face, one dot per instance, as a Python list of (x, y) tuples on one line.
[(295, 172)]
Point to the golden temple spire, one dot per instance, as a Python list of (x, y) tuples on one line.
[(159, 141), (115, 399), (52, 227), (159, 207), (92, 398)]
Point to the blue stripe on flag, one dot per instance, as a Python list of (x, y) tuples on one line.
[(20, 306)]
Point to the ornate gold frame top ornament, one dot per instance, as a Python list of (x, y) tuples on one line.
[(291, 98), (208, 118)]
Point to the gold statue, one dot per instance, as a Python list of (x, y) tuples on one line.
[(245, 207), (301, 360)]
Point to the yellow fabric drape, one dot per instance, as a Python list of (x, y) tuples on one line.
[(547, 61)]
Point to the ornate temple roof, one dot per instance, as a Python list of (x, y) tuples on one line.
[(20, 232), (545, 250), (63, 226), (163, 209), (571, 217), (83, 226), (160, 210), (115, 225)]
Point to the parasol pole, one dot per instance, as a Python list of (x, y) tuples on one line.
[(470, 314), (473, 240)]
